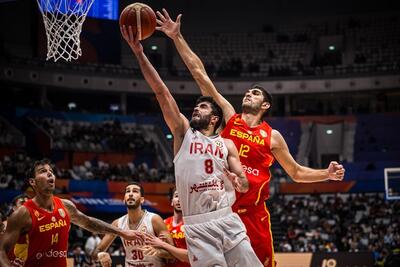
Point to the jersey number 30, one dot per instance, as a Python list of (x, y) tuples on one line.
[(137, 255)]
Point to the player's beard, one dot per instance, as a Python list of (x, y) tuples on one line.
[(250, 108), (133, 206), (201, 123)]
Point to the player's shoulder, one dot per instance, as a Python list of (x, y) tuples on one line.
[(228, 142), (168, 220), (21, 218), (275, 134)]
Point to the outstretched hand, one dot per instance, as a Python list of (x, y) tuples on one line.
[(133, 235), (171, 28), (157, 242), (236, 182), (335, 171), (131, 39)]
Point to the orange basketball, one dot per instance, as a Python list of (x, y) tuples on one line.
[(141, 18)]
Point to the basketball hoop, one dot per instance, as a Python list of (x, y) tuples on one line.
[(63, 20)]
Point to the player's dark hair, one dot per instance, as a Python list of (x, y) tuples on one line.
[(138, 184), (32, 170), (215, 109), (267, 96)]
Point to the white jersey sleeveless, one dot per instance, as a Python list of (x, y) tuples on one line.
[(199, 171), (133, 255)]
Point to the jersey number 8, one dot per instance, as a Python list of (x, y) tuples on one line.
[(208, 166)]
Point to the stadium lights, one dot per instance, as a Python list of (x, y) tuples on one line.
[(114, 107), (71, 105), (329, 131)]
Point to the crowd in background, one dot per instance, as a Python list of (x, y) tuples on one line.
[(95, 137), (327, 223)]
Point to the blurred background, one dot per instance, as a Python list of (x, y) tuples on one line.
[(333, 68)]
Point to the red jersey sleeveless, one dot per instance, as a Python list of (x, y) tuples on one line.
[(178, 236), (48, 238), (254, 147)]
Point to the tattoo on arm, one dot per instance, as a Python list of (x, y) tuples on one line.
[(89, 223)]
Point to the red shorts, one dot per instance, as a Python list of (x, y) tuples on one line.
[(258, 226)]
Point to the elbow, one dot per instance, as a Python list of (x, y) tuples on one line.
[(296, 175)]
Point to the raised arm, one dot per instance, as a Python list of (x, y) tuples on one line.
[(19, 223), (97, 226), (235, 172), (176, 122), (297, 172), (192, 61)]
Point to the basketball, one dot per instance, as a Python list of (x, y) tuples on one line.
[(141, 18)]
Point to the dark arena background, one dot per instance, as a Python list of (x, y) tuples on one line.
[(333, 68)]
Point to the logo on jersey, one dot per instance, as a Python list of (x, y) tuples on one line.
[(175, 234), (49, 226), (263, 133), (218, 143), (61, 212), (251, 170), (200, 148), (246, 136), (207, 186), (37, 215), (143, 229), (52, 254)]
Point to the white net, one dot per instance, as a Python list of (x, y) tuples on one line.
[(63, 20)]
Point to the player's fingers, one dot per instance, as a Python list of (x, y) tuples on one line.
[(159, 22), (161, 16), (130, 33), (166, 14), (178, 19), (334, 163), (123, 31)]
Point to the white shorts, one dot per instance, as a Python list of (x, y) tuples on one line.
[(218, 238)]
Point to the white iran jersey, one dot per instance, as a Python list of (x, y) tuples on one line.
[(133, 254), (199, 171)]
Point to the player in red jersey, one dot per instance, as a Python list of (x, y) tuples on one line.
[(15, 253), (45, 221), (258, 145), (175, 227)]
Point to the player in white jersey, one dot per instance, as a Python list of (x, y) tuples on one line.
[(207, 168), (136, 252)]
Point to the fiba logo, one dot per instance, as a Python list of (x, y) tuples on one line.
[(329, 263)]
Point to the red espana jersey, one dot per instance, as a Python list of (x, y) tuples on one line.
[(178, 236), (47, 241), (254, 147)]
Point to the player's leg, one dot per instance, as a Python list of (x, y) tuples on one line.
[(258, 227), (204, 245), (242, 255)]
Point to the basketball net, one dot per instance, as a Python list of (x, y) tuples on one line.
[(63, 20)]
